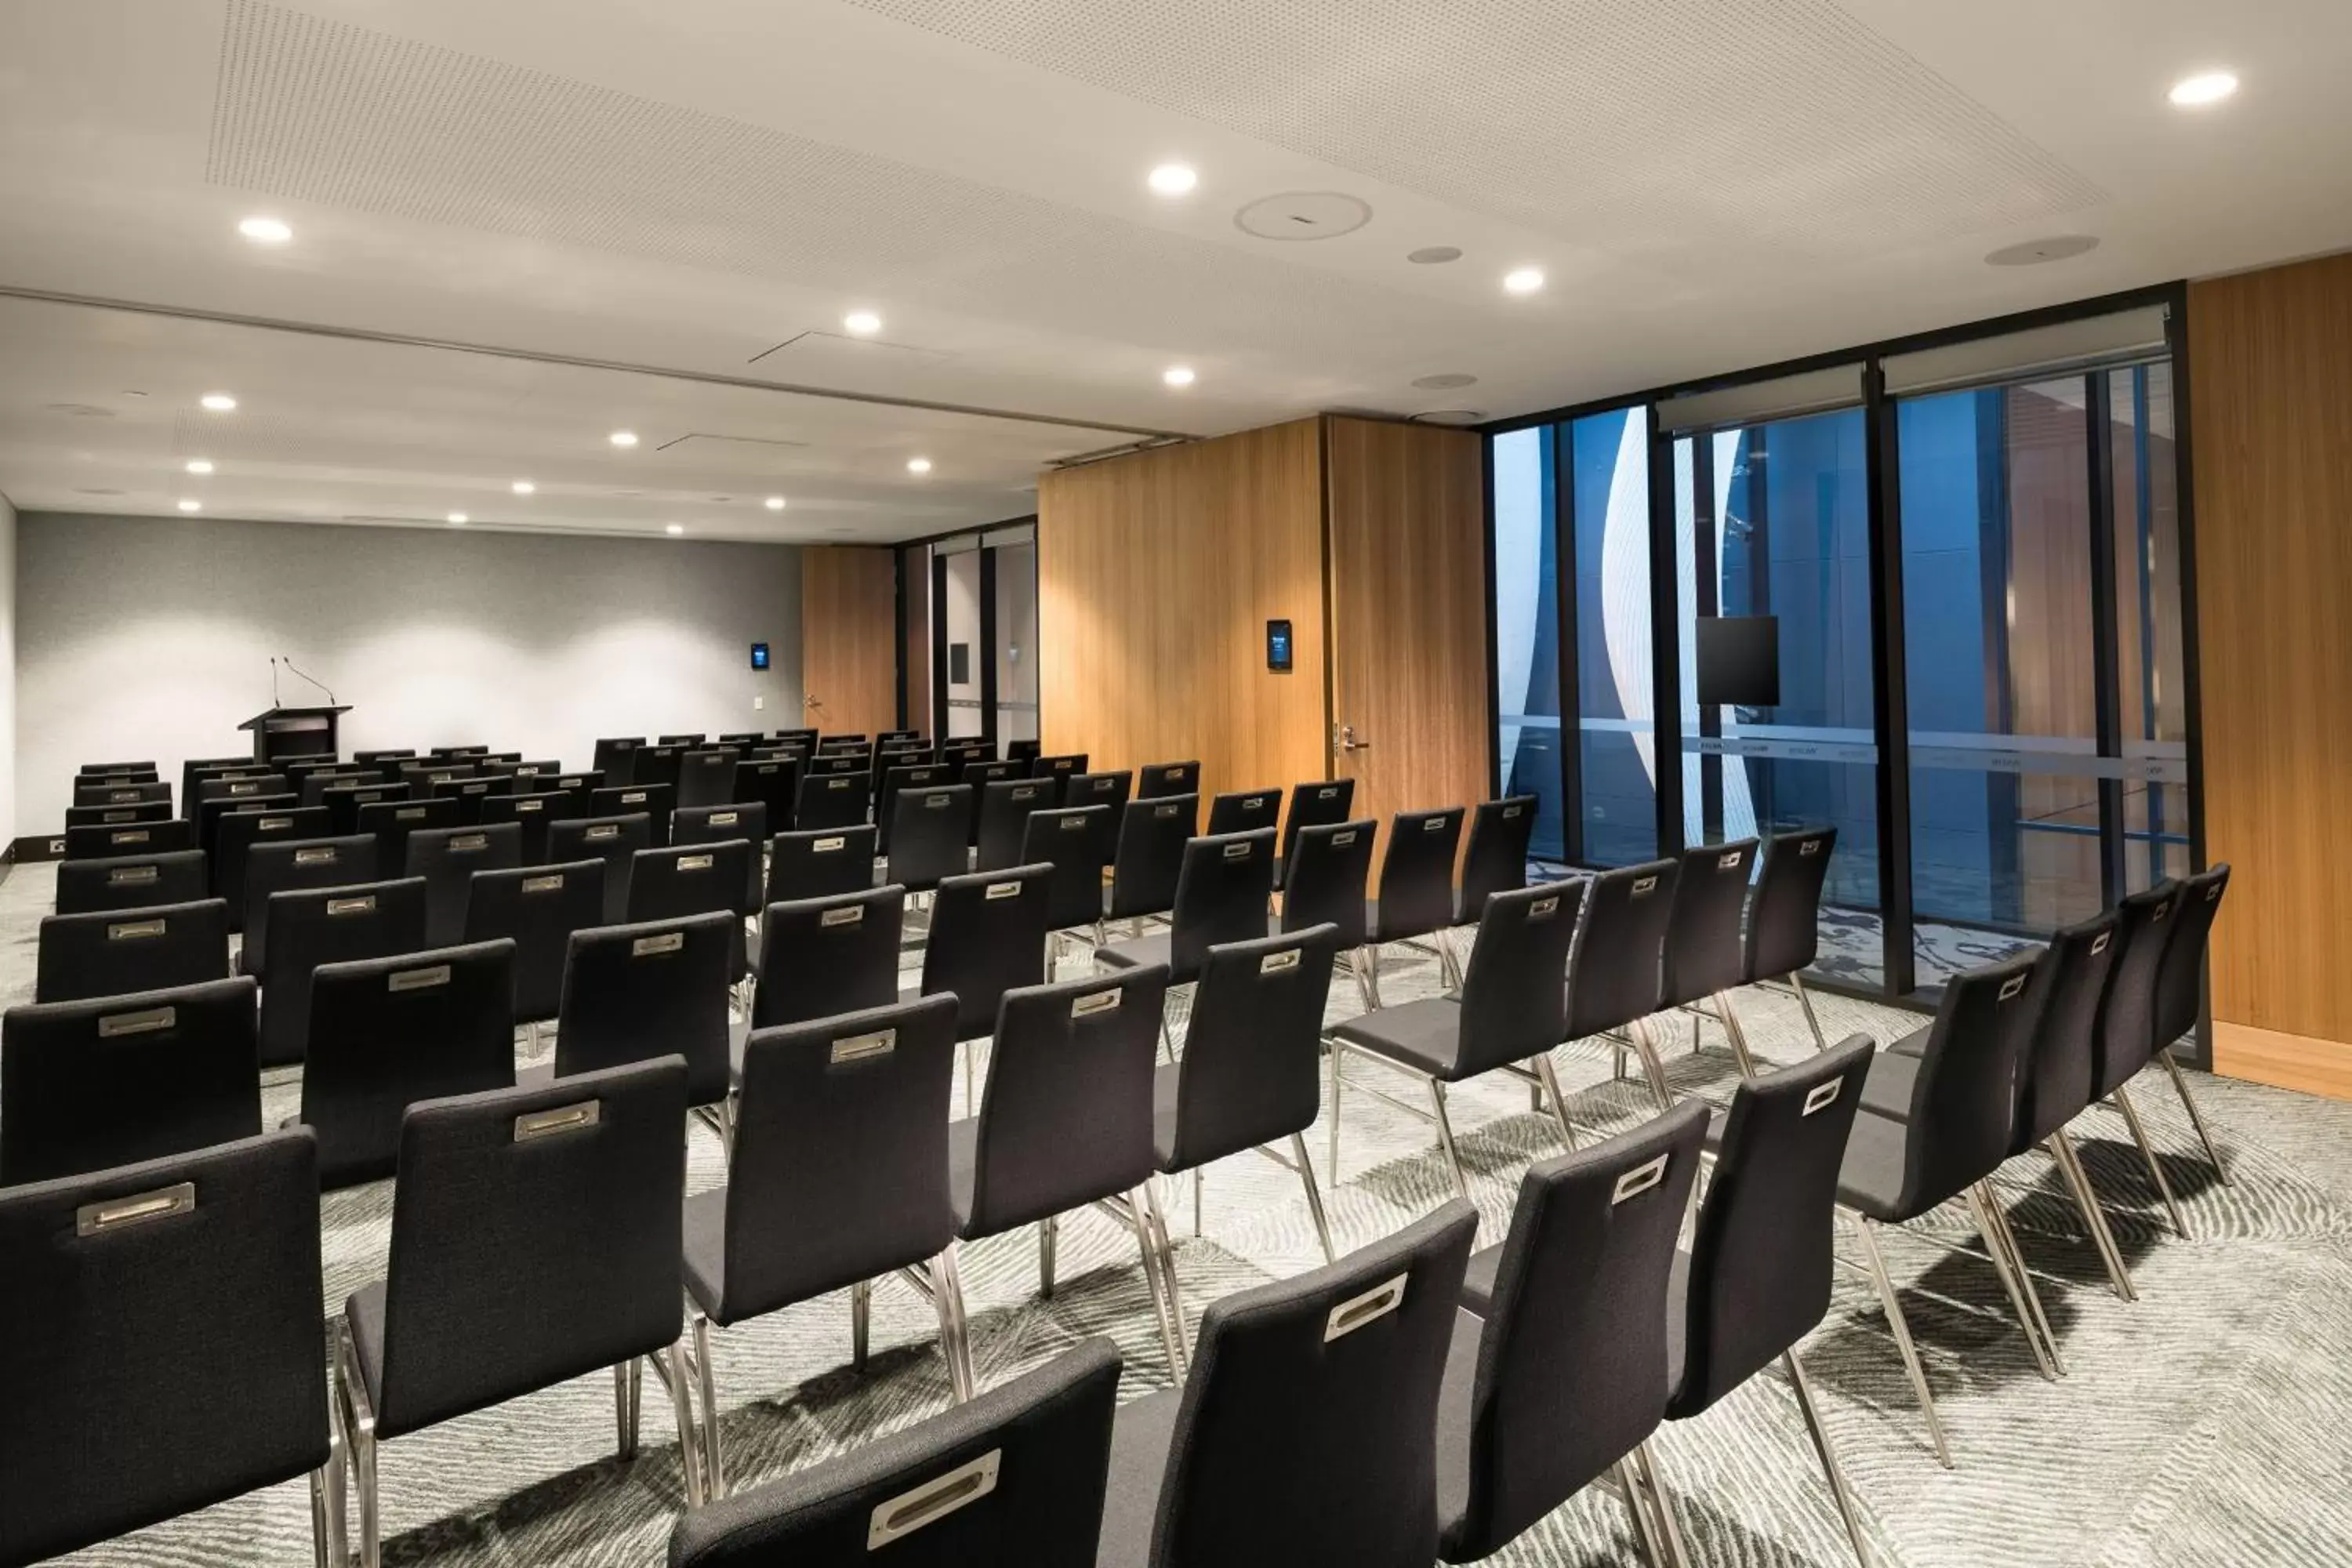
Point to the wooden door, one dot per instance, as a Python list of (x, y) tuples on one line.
[(849, 639), (1408, 633)]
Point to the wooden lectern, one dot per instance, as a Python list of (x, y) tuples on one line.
[(288, 734)]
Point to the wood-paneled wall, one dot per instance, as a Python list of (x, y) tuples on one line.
[(1156, 575), (2271, 398), (849, 637)]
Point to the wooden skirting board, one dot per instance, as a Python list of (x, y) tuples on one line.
[(2284, 1061)]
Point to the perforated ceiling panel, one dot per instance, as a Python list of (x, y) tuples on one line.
[(1645, 128), (324, 111)]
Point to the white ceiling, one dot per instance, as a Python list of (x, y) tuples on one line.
[(707, 186)]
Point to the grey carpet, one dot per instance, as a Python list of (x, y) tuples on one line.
[(2202, 1425)]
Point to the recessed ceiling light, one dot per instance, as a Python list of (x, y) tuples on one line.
[(523, 486), (918, 465), (1174, 179), (623, 437), (672, 527), (776, 503), (1177, 376), (458, 520), (2204, 87), (265, 230), (200, 465), (863, 324), (218, 402), (192, 504), (1525, 281)]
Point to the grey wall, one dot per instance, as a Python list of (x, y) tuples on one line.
[(152, 637), (7, 671)]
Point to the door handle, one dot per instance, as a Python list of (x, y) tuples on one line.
[(1347, 742)]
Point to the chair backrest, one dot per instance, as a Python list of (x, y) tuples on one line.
[(293, 865), (1244, 811), (1327, 878), (981, 771), (1316, 803), (1497, 860), (1704, 955), (706, 777), (1041, 1442), (615, 840), (472, 794), (472, 749), (533, 772), (535, 1238), (2062, 1049), (742, 739), (616, 757), (1615, 978), (120, 792), (1513, 1000), (142, 1303), (1964, 1096), (314, 786), (87, 769), (208, 813), (422, 776), (1004, 825), (891, 776), (687, 740), (633, 992), (1109, 789), (1416, 891), (1149, 854), (146, 811), (839, 1170), (108, 841), (746, 820), (929, 829), (344, 800), (1072, 840), (1306, 1432), (577, 790), (1222, 893), (1784, 930), (653, 801), (1021, 750), (388, 1032), (773, 784), (329, 925), (242, 786), (537, 907), (383, 755), (829, 763), (130, 881), (818, 862), (533, 813), (194, 765), (1764, 1254), (1065, 1111), (85, 1085), (987, 937), (391, 821), (1253, 1049), (447, 857), (655, 767), (1060, 767), (832, 800), (1572, 1363), (2180, 978), (116, 951), (819, 957), (1156, 781), (2143, 925)]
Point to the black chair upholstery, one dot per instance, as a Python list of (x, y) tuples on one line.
[(148, 811), (332, 925), (1060, 767), (130, 881), (2180, 978), (657, 767), (746, 820), (343, 802), (447, 857), (1110, 790), (1002, 827), (706, 777), (2070, 980), (537, 907), (473, 795), (982, 771), (142, 1303), (1072, 840), (386, 1033), (239, 830), (534, 814), (832, 800), (209, 813), (243, 785), (391, 821), (474, 749), (314, 786), (577, 790), (116, 951), (1704, 955), (633, 992), (1314, 803), (2127, 1018), (1244, 811), (384, 755), (685, 742), (110, 840), (1021, 750), (88, 770), (1330, 867), (119, 791), (816, 863), (1784, 917), (1156, 781), (1043, 1438), (1149, 855), (1221, 894), (701, 878), (774, 783), (823, 957), (1497, 860), (1251, 1069), (653, 801), (1307, 1430), (1614, 978), (615, 840), (930, 827), (86, 1085), (987, 937), (292, 867), (195, 765), (1417, 889)]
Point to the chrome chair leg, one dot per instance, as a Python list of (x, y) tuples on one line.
[(1647, 1469), (675, 1368), (946, 1281), (1902, 1327), (1338, 1082), (2147, 1153), (2000, 1245), (1654, 1066), (1143, 1207), (1449, 966), (2196, 1117), (1445, 1138), (1314, 1196), (1805, 1001), (1732, 1031), (1820, 1433), (1372, 955), (1158, 1216), (359, 1432), (1197, 1181), (970, 1074), (714, 1462), (1359, 968), (1646, 1528), (1048, 1233), (1550, 1077), (624, 1408), (861, 1321), (2094, 1220)]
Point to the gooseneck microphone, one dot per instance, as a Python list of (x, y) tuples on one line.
[(273, 700), (312, 680)]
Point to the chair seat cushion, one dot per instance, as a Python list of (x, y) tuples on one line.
[(1677, 1327), (1914, 1044), (1137, 953), (1479, 1279), (1140, 1440), (705, 1248), (1888, 1089), (1454, 1415), (365, 1313), (1425, 1035), (1164, 1079), (1871, 1179)]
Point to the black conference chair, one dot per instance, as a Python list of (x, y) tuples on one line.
[(472, 793), (537, 907), (747, 820), (386, 1033), (657, 767), (1497, 859), (1060, 768), (1415, 895), (473, 749), (1331, 865), (981, 771), (888, 785), (88, 770), (1022, 752), (1614, 974), (823, 957), (1784, 916), (534, 1239), (987, 937), (742, 739), (1013, 1480), (207, 765), (88, 1085), (1066, 1122), (1306, 1429), (530, 772), (774, 785), (1558, 1372), (314, 786), (117, 816), (117, 951), (131, 882), (239, 831), (634, 993), (1073, 841), (143, 1303), (1316, 803), (2179, 992), (121, 792), (1244, 811), (685, 742), (577, 790), (651, 800), (701, 878), (1002, 827), (447, 857), (296, 866), (816, 863), (384, 755), (615, 840), (1110, 790), (534, 814), (1704, 958), (2145, 924), (107, 841), (929, 829), (332, 925), (343, 802), (391, 821), (706, 777), (1147, 858), (838, 1174), (1157, 781), (832, 801), (835, 764), (242, 786), (1757, 1275), (1221, 892)]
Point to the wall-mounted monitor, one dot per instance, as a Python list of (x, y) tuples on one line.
[(1278, 647), (1740, 661), (759, 655)]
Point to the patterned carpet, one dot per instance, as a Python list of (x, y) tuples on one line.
[(2202, 1425)]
